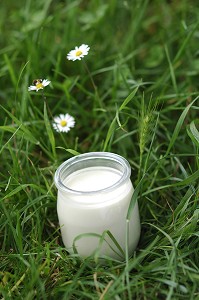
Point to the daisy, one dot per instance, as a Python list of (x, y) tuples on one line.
[(63, 123), (38, 84), (78, 53)]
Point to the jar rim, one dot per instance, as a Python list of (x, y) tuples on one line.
[(116, 158)]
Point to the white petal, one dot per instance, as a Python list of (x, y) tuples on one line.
[(57, 119), (84, 48), (45, 82), (32, 88), (66, 116), (62, 117), (55, 127), (71, 54)]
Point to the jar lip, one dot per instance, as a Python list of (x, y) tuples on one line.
[(91, 156)]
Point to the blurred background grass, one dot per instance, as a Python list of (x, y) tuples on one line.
[(151, 46)]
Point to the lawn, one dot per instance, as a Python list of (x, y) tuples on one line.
[(134, 93)]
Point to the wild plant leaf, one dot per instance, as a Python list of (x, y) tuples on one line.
[(71, 151), (128, 99)]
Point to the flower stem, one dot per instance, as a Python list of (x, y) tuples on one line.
[(48, 108), (94, 85)]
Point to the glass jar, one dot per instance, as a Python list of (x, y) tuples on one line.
[(94, 193)]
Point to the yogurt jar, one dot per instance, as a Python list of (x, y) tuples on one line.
[(94, 193)]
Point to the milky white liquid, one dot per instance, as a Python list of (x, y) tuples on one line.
[(102, 209)]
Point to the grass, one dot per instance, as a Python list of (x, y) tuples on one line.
[(140, 100)]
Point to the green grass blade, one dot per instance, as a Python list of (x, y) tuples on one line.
[(193, 133), (172, 72), (128, 99), (179, 125), (49, 131), (23, 129), (112, 126), (110, 133), (11, 70)]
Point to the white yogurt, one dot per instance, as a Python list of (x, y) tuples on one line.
[(96, 199)]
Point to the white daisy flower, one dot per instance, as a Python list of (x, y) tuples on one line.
[(63, 123), (39, 84), (78, 53)]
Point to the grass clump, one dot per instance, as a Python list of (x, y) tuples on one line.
[(139, 50)]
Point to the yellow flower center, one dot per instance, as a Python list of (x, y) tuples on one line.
[(63, 123), (78, 53), (39, 85)]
